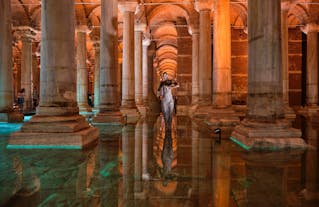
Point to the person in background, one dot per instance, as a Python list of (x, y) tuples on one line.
[(21, 99)]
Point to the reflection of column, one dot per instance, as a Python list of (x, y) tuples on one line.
[(138, 185), (195, 65), (128, 106), (128, 164), (195, 160), (222, 55), (145, 71), (265, 126), (145, 156), (311, 29), (139, 28), (205, 52), (96, 46), (109, 71), (221, 175), (58, 104), (26, 69), (82, 71), (6, 72)]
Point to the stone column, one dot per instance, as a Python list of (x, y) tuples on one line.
[(128, 106), (311, 29), (205, 53), (57, 123), (6, 70), (265, 126), (138, 56), (285, 6), (222, 55), (109, 105), (82, 71), (145, 71), (195, 65), (96, 46)]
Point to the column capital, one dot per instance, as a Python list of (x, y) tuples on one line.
[(26, 33), (140, 27), (192, 30), (201, 5), (310, 27), (127, 6), (83, 28), (146, 42)]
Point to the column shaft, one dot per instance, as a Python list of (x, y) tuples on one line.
[(109, 93), (97, 76), (82, 72), (128, 84), (26, 72), (222, 55), (284, 55), (138, 68), (205, 53), (195, 67), (312, 68), (6, 72), (145, 72)]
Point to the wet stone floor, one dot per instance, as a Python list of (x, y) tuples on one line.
[(141, 165)]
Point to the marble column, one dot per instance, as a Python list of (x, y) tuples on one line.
[(285, 6), (195, 65), (6, 70), (222, 55), (311, 29), (26, 68), (138, 64), (109, 97), (96, 46), (82, 70), (145, 72), (205, 53), (57, 123), (128, 106), (264, 126)]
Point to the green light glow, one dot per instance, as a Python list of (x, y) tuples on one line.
[(106, 171), (68, 147), (240, 143)]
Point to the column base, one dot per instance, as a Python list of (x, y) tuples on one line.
[(222, 117), (56, 132), (202, 112), (289, 113), (11, 117), (309, 111), (109, 118), (131, 115), (254, 135), (84, 108), (142, 109)]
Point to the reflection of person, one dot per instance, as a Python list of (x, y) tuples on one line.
[(21, 99), (166, 97), (167, 153)]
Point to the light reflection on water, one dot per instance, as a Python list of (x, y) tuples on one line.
[(147, 165)]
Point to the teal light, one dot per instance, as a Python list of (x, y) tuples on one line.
[(240, 143), (27, 118), (106, 171), (7, 128), (67, 147)]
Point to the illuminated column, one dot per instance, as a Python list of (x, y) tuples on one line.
[(96, 46), (128, 106), (195, 65), (195, 160), (57, 123), (222, 55), (205, 53), (311, 29), (139, 28), (6, 71), (109, 93), (265, 126), (82, 71), (145, 71)]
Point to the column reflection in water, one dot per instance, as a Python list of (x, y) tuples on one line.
[(128, 133), (310, 192), (138, 185), (195, 159), (267, 174)]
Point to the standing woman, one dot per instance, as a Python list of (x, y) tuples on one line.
[(167, 100)]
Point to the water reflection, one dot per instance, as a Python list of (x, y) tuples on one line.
[(148, 165)]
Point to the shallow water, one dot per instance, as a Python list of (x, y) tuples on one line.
[(140, 166)]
